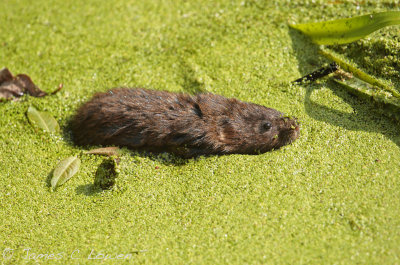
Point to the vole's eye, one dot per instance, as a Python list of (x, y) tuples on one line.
[(266, 126)]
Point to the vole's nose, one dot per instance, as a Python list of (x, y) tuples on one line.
[(295, 125)]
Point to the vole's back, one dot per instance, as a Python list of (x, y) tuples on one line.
[(139, 118)]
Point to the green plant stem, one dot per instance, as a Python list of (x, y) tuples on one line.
[(358, 73), (361, 89)]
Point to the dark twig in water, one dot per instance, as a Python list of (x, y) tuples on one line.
[(323, 71)]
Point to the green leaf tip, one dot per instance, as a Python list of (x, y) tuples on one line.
[(64, 170), (43, 120), (347, 30)]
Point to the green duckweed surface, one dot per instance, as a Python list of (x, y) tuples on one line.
[(332, 197)]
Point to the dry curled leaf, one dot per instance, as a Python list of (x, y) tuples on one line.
[(9, 87), (12, 87), (60, 86), (5, 75), (27, 84)]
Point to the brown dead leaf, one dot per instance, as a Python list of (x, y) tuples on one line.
[(5, 75), (27, 83), (5, 95), (60, 86), (11, 89), (14, 87), (107, 151)]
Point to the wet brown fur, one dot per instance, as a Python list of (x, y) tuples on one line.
[(183, 124)]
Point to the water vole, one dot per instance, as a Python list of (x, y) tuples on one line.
[(183, 124)]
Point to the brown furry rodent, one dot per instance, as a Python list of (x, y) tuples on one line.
[(183, 124)]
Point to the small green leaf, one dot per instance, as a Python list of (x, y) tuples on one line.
[(349, 29), (43, 120), (65, 170)]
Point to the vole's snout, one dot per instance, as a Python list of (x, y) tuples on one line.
[(296, 128), (296, 125), (293, 128), (291, 122)]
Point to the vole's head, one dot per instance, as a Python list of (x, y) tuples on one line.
[(275, 131), (257, 129)]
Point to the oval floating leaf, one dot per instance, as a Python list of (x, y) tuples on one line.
[(349, 29), (65, 170), (43, 120), (108, 151)]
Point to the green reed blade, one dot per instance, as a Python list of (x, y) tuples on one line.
[(383, 101), (349, 29), (359, 73)]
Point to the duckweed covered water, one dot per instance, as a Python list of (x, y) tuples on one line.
[(333, 196)]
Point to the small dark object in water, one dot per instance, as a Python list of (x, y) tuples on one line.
[(323, 71)]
